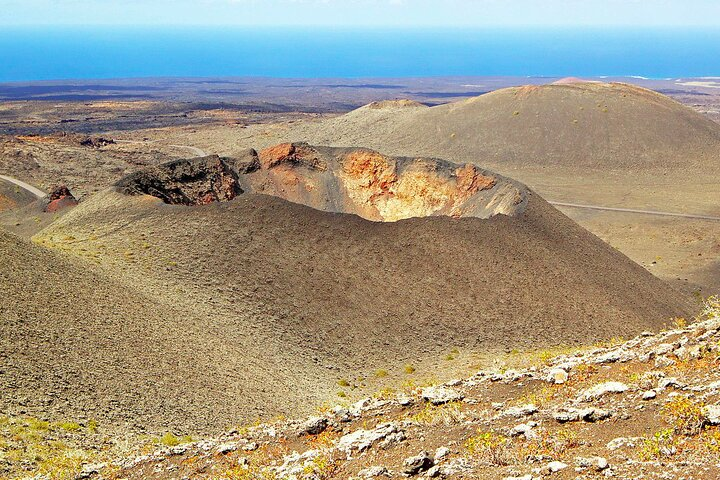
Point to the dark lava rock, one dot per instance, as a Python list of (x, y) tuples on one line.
[(197, 181)]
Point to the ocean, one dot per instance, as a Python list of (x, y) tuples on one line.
[(51, 53)]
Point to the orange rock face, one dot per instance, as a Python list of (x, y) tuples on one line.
[(471, 181), (273, 156), (289, 153)]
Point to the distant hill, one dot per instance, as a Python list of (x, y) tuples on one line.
[(571, 124), (240, 304)]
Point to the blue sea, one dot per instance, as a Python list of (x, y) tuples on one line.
[(49, 53)]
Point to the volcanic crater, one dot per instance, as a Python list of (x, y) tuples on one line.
[(341, 180)]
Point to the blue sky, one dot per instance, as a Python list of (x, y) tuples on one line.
[(465, 13)]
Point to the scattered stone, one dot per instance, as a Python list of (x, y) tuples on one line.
[(224, 448), (520, 411), (711, 413), (596, 463), (314, 426), (342, 414), (623, 442), (663, 349), (361, 440), (441, 453), (433, 472), (441, 395), (663, 361), (590, 414), (90, 470), (96, 142), (404, 400), (374, 472), (594, 414), (418, 463), (713, 386), (525, 429), (601, 390), (554, 467), (250, 447), (649, 395), (557, 376), (670, 382)]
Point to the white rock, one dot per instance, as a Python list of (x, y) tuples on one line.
[(670, 382), (649, 395), (441, 395), (433, 472), (622, 442), (602, 389), (226, 448), (594, 414), (418, 463), (441, 453), (314, 425), (596, 463), (91, 469), (663, 361), (713, 386), (520, 411), (404, 400), (361, 440), (712, 414), (556, 466), (663, 349), (557, 376), (374, 472)]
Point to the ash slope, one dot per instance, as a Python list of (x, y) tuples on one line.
[(259, 305), (12, 196), (592, 125)]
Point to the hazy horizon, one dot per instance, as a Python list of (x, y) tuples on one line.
[(424, 13)]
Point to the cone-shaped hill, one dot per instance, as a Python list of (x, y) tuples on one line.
[(587, 125), (254, 283)]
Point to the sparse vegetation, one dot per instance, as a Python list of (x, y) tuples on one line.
[(447, 414), (169, 439), (684, 415), (491, 448), (662, 444)]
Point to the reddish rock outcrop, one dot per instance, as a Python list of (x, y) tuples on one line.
[(60, 198)]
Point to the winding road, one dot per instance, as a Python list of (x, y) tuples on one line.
[(635, 210), (35, 191)]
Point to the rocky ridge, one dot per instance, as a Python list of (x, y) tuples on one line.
[(644, 408)]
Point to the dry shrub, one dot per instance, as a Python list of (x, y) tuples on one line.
[(491, 448)]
